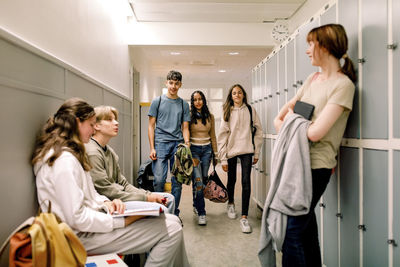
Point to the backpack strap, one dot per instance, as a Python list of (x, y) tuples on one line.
[(26, 223), (183, 111), (253, 131), (158, 107)]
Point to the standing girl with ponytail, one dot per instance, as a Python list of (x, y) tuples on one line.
[(331, 91)]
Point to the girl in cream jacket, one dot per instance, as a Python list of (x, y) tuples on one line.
[(235, 141)]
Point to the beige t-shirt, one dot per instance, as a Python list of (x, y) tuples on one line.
[(320, 93)]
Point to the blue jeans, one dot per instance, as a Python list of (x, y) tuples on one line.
[(301, 245), (165, 153), (200, 174)]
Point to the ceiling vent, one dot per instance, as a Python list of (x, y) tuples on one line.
[(202, 62)]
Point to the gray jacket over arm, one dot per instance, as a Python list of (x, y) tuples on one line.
[(290, 191)]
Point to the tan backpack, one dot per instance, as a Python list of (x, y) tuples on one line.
[(45, 241)]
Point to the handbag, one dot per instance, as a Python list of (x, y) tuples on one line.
[(44, 240), (215, 190)]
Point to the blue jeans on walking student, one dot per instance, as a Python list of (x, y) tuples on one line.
[(245, 162), (200, 174), (165, 153), (301, 245)]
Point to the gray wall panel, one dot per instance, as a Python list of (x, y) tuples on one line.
[(330, 224), (20, 65), (375, 168), (348, 15), (396, 69), (17, 180), (349, 203), (78, 87), (374, 97), (126, 161), (396, 206), (329, 16), (111, 99), (32, 89)]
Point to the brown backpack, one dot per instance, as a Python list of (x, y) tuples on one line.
[(44, 240)]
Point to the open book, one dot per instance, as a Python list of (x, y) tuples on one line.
[(142, 209)]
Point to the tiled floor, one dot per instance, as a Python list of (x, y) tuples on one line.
[(220, 242)]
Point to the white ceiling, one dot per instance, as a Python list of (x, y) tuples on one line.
[(200, 64), (214, 10)]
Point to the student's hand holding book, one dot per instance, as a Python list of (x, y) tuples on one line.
[(115, 206), (157, 198)]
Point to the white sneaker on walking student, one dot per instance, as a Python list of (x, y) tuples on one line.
[(231, 211), (245, 226), (202, 220)]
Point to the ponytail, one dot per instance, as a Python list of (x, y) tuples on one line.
[(348, 68)]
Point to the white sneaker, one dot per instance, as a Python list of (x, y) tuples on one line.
[(202, 220), (244, 224), (231, 211)]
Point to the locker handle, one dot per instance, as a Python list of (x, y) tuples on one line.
[(339, 215), (300, 82), (286, 90), (294, 85), (322, 205), (392, 242), (362, 227), (392, 46), (265, 97), (269, 95), (261, 171), (278, 93)]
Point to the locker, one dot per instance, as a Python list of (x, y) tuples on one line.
[(303, 65), (281, 79), (329, 16), (396, 69), (348, 15), (330, 234), (290, 70), (375, 168), (396, 206), (349, 206), (375, 94)]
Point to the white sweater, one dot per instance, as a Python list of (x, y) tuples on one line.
[(72, 194), (234, 136)]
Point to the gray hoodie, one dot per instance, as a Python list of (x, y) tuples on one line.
[(290, 192)]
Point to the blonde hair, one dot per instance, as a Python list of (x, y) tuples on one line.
[(105, 113)]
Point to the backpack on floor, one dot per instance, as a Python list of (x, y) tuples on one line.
[(44, 240)]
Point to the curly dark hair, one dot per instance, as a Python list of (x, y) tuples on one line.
[(205, 113)]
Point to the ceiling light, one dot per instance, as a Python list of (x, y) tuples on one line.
[(175, 53), (221, 70), (233, 53)]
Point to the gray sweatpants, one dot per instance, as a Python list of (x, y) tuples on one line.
[(161, 236)]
